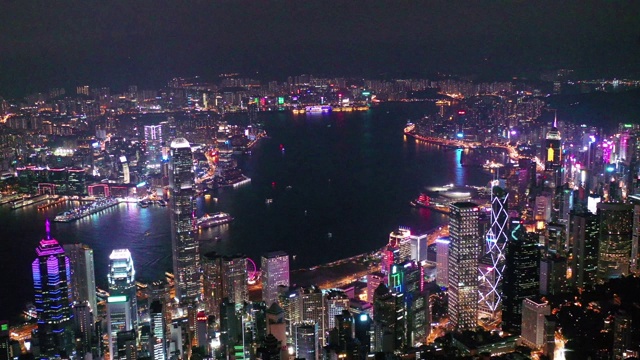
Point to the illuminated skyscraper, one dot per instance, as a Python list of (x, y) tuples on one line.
[(496, 240), (153, 140), (224, 277), (520, 276), (275, 272), (118, 319), (158, 340), (442, 261), (463, 265), (186, 255), (83, 278), (616, 229), (122, 280), (51, 277), (553, 149)]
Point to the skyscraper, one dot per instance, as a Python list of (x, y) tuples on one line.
[(158, 331), (83, 277), (614, 250), (553, 149), (442, 261), (520, 276), (224, 277), (533, 318), (186, 255), (584, 230), (495, 242), (463, 265), (275, 272), (51, 277), (122, 280), (118, 319)]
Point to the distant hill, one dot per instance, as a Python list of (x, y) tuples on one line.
[(605, 110)]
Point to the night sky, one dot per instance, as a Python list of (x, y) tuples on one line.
[(117, 43)]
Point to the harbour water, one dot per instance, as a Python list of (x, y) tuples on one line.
[(341, 184)]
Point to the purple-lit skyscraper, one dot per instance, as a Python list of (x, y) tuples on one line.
[(51, 276)]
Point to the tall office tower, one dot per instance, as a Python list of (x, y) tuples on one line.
[(495, 243), (201, 334), (186, 254), (622, 335), (520, 276), (126, 343), (51, 278), (153, 139), (553, 275), (533, 317), (224, 277), (306, 341), (463, 265), (400, 239), (312, 308), (406, 282), (542, 208), (275, 272), (565, 203), (84, 322), (373, 281), (384, 316), (614, 250), (337, 301), (118, 319), (442, 261), (553, 149), (158, 338), (584, 233), (83, 277), (276, 323), (122, 280), (5, 348), (418, 247), (555, 238), (635, 239)]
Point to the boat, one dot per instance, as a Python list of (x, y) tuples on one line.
[(318, 109), (211, 220), (421, 201), (86, 210), (143, 203), (162, 203), (268, 201)]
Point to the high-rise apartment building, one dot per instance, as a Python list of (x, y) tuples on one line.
[(186, 254), (275, 272), (51, 278), (463, 265), (224, 277), (122, 280)]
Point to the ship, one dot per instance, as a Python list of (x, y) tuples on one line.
[(211, 220), (143, 203), (86, 210), (317, 109), (421, 201)]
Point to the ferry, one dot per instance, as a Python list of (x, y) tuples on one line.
[(211, 220), (143, 203), (317, 109), (162, 203), (86, 210)]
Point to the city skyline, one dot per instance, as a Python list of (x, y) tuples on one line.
[(119, 44)]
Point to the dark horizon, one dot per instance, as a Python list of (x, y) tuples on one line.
[(115, 44)]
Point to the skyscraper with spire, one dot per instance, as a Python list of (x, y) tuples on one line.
[(51, 277), (553, 148), (186, 254)]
